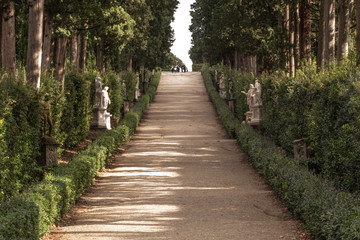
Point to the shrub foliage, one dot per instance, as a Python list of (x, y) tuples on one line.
[(29, 215), (327, 212)]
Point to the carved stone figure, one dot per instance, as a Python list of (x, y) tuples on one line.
[(105, 98), (253, 99), (101, 118), (257, 93)]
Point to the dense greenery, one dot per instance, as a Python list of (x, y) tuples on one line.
[(323, 109), (31, 214), (20, 134), (327, 212), (71, 112)]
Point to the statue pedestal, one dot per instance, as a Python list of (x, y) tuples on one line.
[(49, 155), (101, 118), (254, 117)]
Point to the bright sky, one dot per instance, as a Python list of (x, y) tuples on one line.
[(181, 25)]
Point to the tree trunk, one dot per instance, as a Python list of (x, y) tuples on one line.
[(100, 63), (292, 44), (287, 40), (60, 63), (297, 36), (83, 49), (344, 17), (8, 49), (321, 38), (305, 31), (35, 38), (358, 32), (330, 42), (1, 13), (47, 44), (74, 50)]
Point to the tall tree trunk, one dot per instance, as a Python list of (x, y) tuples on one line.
[(297, 35), (1, 13), (344, 17), (83, 49), (287, 40), (100, 63), (305, 30), (321, 38), (8, 50), (74, 49), (35, 38), (292, 43), (358, 32), (331, 27), (47, 43), (60, 62)]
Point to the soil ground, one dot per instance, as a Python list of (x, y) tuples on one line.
[(180, 177)]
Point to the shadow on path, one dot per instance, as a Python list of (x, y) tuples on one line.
[(180, 177)]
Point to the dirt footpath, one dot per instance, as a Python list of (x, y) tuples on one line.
[(180, 177)]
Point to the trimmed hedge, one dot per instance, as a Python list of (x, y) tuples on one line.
[(31, 214), (328, 213), (322, 108)]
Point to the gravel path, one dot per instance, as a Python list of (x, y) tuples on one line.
[(180, 177)]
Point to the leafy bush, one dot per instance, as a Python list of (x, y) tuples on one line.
[(30, 214), (77, 113), (130, 79), (327, 212), (20, 124), (196, 67), (322, 108)]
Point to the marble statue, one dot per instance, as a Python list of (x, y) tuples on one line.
[(253, 99)]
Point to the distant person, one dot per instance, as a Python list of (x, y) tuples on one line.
[(172, 68)]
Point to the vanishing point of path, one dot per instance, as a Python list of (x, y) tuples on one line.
[(180, 177)]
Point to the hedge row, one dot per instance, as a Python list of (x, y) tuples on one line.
[(322, 108), (71, 112), (328, 213), (31, 214)]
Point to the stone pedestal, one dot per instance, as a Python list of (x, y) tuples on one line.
[(101, 118), (49, 154), (257, 115), (254, 117)]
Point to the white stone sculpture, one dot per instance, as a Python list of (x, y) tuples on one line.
[(253, 99), (101, 117)]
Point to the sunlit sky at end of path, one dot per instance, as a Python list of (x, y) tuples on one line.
[(181, 25)]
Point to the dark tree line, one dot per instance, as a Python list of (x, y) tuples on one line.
[(46, 35), (269, 35)]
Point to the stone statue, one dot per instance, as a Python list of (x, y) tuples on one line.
[(257, 93), (101, 118), (46, 115), (253, 99), (250, 95), (105, 98)]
